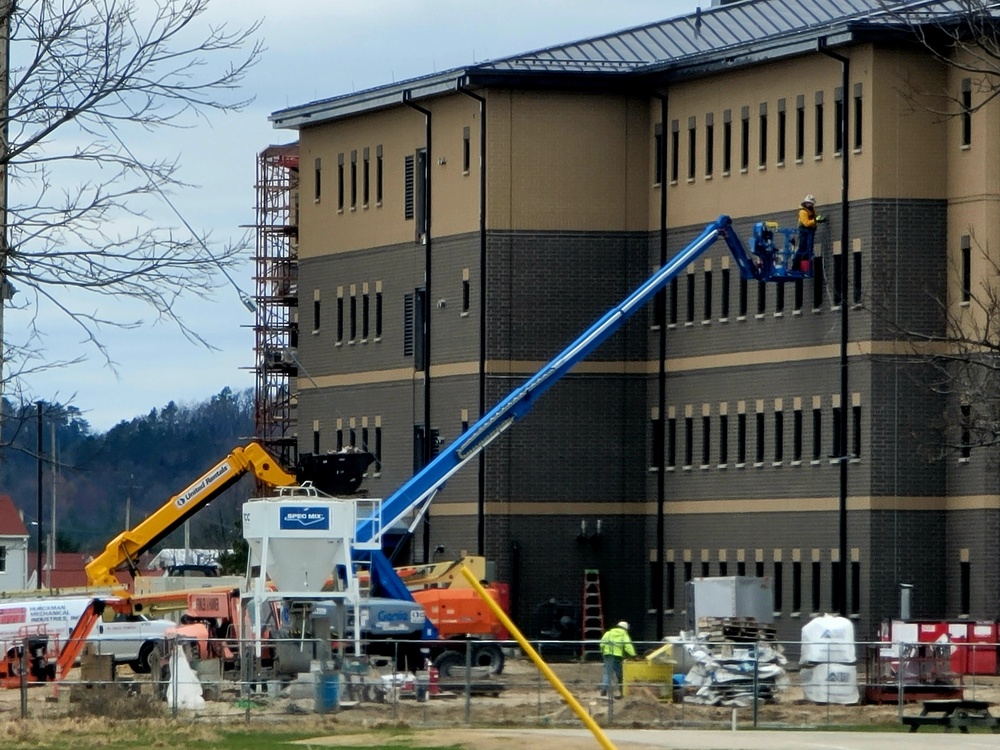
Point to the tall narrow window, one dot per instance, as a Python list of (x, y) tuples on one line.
[(378, 175), (340, 439), (723, 568), (741, 568), (354, 316), (838, 120), (761, 297), (817, 282), (855, 588), (657, 432), (670, 574), (819, 123), (687, 571), (782, 130), (318, 179), (709, 144), (745, 139), (797, 435), (365, 315), (965, 588), (856, 431), (688, 441), (779, 299), (758, 568), (817, 433), (316, 438), (762, 161), (838, 279), (858, 119), (777, 583), (690, 298), (796, 587), (741, 438), (378, 449), (466, 295), (658, 155), (966, 111), (706, 569), (837, 432), (725, 294), (366, 178), (799, 288), (672, 312), (692, 146), (856, 262), (420, 190), (340, 182), (408, 177), (675, 140), (340, 317), (723, 439), (779, 436), (727, 141), (706, 440), (708, 295), (817, 583), (316, 310), (353, 438), (965, 441), (354, 180), (671, 442), (836, 571), (743, 297), (466, 150), (364, 439), (800, 127), (378, 315), (966, 268), (760, 437)]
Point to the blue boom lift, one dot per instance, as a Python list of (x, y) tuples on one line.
[(767, 261)]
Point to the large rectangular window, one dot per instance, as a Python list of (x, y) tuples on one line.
[(745, 139), (727, 141), (966, 111)]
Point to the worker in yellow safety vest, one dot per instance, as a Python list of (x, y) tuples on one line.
[(615, 646)]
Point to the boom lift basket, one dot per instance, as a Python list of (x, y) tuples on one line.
[(780, 254)]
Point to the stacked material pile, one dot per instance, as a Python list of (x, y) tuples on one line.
[(727, 672)]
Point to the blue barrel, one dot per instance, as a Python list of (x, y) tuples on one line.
[(327, 691)]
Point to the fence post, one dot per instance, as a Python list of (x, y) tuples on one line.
[(468, 682), (756, 683), (538, 682), (174, 676), (24, 679)]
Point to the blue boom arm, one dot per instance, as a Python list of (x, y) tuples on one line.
[(415, 494)]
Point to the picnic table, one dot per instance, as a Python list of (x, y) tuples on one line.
[(953, 713)]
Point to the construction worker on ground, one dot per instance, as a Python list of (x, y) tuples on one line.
[(807, 226), (615, 646)]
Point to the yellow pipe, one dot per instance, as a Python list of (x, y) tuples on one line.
[(549, 674)]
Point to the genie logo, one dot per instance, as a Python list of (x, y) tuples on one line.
[(393, 616), (314, 519)]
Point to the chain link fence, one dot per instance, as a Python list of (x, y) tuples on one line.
[(707, 684)]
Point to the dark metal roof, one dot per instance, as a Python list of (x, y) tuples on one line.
[(738, 33)]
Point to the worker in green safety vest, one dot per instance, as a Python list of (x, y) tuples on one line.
[(615, 646)]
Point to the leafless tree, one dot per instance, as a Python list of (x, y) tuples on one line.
[(85, 78)]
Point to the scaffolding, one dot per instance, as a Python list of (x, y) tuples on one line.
[(276, 290)]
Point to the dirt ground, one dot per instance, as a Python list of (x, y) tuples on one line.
[(446, 719)]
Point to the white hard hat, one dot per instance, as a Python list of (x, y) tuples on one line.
[(623, 625), (809, 199)]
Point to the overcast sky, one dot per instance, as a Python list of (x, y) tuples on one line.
[(315, 49)]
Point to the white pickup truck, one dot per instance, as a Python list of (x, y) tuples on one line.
[(129, 638)]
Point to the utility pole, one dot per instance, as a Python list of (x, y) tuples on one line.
[(6, 10), (38, 515)]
